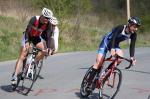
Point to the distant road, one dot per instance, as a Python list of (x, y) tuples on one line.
[(64, 72)]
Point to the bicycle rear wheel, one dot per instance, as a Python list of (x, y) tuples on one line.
[(85, 84), (28, 81), (111, 86)]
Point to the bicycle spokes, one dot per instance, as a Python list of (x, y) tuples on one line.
[(111, 80), (112, 85), (86, 85)]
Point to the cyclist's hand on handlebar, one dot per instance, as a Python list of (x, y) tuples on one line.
[(133, 60), (48, 51)]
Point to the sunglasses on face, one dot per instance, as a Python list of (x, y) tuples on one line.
[(46, 18), (135, 25)]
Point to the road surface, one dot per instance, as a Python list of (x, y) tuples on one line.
[(63, 74)]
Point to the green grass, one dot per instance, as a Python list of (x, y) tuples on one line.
[(10, 37), (9, 45)]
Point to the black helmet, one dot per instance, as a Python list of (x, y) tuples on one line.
[(134, 20)]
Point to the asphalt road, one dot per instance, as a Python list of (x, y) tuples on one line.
[(64, 72)]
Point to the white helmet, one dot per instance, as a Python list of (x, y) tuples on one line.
[(47, 13), (53, 20)]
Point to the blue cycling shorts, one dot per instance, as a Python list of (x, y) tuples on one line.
[(104, 46)]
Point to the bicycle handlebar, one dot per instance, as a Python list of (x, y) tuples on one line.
[(35, 50), (129, 60), (120, 57)]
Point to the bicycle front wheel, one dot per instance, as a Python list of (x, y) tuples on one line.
[(28, 80), (111, 86), (38, 68)]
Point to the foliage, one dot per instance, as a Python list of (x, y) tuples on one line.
[(82, 23), (64, 8)]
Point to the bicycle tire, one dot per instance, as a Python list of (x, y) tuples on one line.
[(107, 91), (84, 93), (38, 69), (28, 83)]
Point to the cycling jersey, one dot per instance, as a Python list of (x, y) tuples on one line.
[(35, 29), (117, 35)]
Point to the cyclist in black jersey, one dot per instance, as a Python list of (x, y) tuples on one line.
[(111, 41)]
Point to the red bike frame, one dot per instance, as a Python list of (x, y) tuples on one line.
[(109, 72)]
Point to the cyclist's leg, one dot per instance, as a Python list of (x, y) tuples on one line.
[(41, 45), (22, 55), (96, 68), (23, 52), (97, 65), (120, 53), (99, 59), (40, 54)]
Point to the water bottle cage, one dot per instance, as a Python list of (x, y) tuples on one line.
[(30, 72)]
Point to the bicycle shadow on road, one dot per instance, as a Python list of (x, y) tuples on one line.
[(148, 97), (7, 88), (93, 96), (136, 71)]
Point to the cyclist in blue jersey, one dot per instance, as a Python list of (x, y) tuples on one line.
[(111, 41)]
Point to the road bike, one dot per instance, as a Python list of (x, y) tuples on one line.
[(108, 81), (29, 72)]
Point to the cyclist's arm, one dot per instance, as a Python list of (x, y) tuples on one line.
[(28, 29), (116, 31), (132, 44), (48, 35), (56, 36)]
